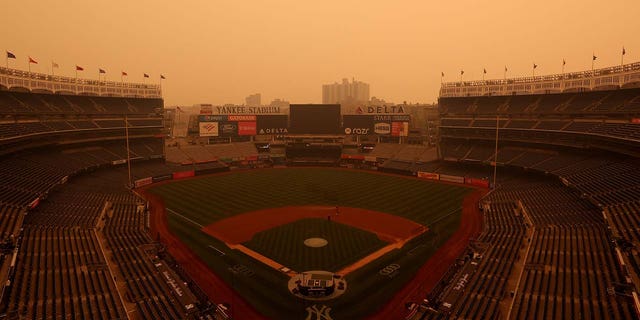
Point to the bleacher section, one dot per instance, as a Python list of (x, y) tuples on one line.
[(67, 217), (542, 235), (568, 174)]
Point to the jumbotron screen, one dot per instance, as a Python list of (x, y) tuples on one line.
[(314, 119)]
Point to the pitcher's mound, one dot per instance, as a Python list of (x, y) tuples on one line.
[(315, 242)]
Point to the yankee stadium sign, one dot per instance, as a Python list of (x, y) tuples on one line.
[(247, 110)]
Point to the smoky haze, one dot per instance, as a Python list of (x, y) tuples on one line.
[(221, 51)]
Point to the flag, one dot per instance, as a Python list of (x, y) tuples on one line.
[(564, 62), (485, 71), (146, 75), (101, 70), (124, 73), (535, 65), (10, 55), (179, 109), (32, 61), (623, 51), (54, 65), (594, 57), (505, 68), (461, 72), (162, 77), (442, 73), (79, 68)]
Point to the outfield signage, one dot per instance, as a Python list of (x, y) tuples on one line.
[(357, 124), (428, 175), (209, 129), (217, 118), (448, 178), (272, 124), (399, 129), (395, 125), (379, 109), (143, 182), (183, 174), (477, 182)]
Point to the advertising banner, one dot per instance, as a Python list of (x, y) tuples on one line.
[(183, 174), (454, 179), (162, 177), (382, 128), (143, 182), (399, 129), (228, 129), (428, 175), (209, 129), (272, 124), (216, 118), (352, 156), (247, 128), (357, 124), (477, 182), (242, 117)]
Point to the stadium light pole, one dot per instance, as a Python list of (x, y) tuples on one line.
[(126, 131), (495, 156)]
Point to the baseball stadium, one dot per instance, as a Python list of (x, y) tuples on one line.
[(518, 199)]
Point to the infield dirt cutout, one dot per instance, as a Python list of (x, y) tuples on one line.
[(240, 228)]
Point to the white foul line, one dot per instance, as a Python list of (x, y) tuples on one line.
[(185, 218)]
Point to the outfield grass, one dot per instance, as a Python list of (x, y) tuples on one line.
[(285, 244), (212, 198)]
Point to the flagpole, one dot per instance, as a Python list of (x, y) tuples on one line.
[(505, 73), (533, 71), (29, 64)]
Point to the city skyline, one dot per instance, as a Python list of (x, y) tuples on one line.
[(216, 52)]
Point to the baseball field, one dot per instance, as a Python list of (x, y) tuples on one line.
[(378, 230)]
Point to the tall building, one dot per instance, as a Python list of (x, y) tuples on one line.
[(354, 91), (254, 100)]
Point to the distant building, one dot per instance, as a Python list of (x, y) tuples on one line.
[(279, 103), (352, 92), (254, 100)]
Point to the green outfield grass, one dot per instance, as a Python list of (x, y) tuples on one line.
[(285, 244), (212, 198)]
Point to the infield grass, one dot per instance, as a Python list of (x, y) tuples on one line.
[(285, 244)]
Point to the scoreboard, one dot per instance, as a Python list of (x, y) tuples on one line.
[(314, 118)]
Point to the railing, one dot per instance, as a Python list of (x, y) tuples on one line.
[(39, 82), (598, 79)]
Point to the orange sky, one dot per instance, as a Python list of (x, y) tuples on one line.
[(221, 51)]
